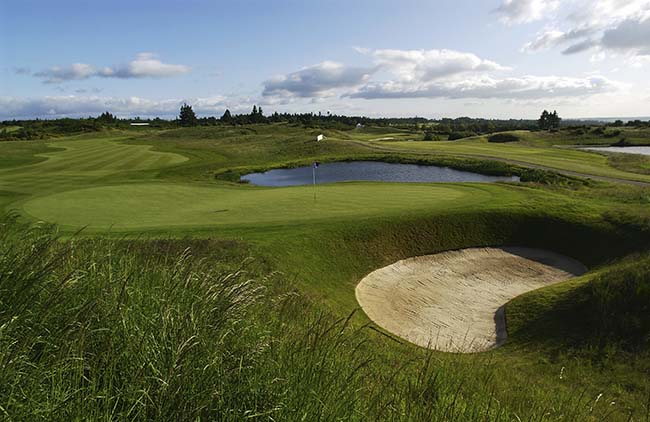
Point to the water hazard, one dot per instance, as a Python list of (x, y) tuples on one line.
[(368, 171)]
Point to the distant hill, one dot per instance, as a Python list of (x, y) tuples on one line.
[(611, 119)]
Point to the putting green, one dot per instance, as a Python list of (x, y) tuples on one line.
[(156, 205)]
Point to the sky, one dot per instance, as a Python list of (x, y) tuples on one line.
[(477, 58)]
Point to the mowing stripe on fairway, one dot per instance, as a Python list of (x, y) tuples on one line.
[(100, 156), (557, 158)]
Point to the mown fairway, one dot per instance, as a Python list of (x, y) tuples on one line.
[(39, 167), (570, 160)]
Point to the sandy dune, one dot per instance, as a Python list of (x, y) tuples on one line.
[(453, 301)]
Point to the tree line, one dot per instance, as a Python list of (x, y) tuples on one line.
[(432, 129)]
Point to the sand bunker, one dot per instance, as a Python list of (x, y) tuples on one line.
[(453, 301)]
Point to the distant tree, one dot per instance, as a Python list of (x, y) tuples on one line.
[(428, 134), (227, 117), (543, 120), (106, 118), (187, 116), (549, 120), (257, 115), (555, 120)]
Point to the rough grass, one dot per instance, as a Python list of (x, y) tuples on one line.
[(167, 330), (630, 162)]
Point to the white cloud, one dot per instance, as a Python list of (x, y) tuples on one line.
[(618, 26), (453, 74), (81, 106), (319, 80), (145, 65), (328, 78), (428, 74), (75, 71), (553, 37), (513, 88), (524, 11), (428, 65)]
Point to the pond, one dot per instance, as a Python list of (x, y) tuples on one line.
[(368, 171), (625, 150)]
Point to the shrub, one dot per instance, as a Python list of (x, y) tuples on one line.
[(612, 134), (546, 177), (503, 137), (460, 135)]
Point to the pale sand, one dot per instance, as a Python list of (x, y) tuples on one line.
[(453, 301)]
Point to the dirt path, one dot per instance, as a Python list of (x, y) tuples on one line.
[(453, 301), (506, 160)]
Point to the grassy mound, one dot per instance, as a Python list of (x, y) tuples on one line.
[(606, 311), (164, 330)]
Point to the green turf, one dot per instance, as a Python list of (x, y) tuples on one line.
[(150, 206), (553, 157), (98, 157), (9, 129), (162, 184), (630, 162)]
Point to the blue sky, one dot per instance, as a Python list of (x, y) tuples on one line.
[(488, 58)]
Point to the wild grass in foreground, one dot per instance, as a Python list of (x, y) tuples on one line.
[(169, 330)]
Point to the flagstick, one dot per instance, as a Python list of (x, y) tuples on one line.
[(313, 172)]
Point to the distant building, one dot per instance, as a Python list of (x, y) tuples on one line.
[(139, 124), (320, 137), (359, 126)]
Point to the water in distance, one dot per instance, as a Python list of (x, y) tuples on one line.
[(368, 171), (625, 150)]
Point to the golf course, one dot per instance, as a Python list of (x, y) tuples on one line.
[(325, 211), (142, 278)]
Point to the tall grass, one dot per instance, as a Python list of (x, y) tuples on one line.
[(171, 330)]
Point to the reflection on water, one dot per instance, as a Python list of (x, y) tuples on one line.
[(367, 171)]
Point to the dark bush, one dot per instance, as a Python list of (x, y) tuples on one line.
[(460, 135), (503, 137)]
